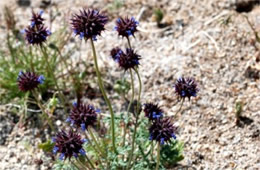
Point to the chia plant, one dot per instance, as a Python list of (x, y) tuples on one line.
[(152, 111), (36, 33), (68, 144), (138, 133), (82, 116), (186, 88), (29, 82)]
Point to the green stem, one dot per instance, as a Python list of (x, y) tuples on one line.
[(24, 110), (95, 141), (45, 115), (31, 60), (137, 117), (83, 163), (96, 150), (158, 156), (66, 65), (140, 91), (101, 86), (133, 145), (152, 147), (90, 162), (11, 49), (77, 166), (51, 72), (129, 105), (128, 40), (182, 101), (140, 88)]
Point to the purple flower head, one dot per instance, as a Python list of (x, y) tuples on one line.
[(152, 111), (186, 87), (126, 26), (41, 79), (37, 19), (88, 24), (126, 60), (83, 116), (116, 53), (162, 130), (74, 104), (29, 80), (68, 144), (36, 35)]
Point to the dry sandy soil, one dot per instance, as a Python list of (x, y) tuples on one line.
[(206, 39)]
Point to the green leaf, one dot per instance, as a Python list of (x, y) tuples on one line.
[(122, 86), (64, 165), (46, 146), (239, 108), (159, 15), (172, 153)]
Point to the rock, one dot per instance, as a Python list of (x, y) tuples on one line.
[(24, 3), (58, 123)]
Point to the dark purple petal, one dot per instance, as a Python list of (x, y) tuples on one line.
[(162, 130), (29, 80), (36, 35), (88, 24), (83, 116), (68, 144), (126, 60), (186, 88), (126, 26), (152, 111)]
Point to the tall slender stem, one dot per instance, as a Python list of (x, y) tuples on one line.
[(82, 165), (133, 145), (77, 166), (90, 162), (95, 141), (101, 86), (96, 150), (140, 88), (128, 40), (43, 49), (158, 156), (31, 59), (42, 108), (152, 147), (179, 107), (137, 117), (130, 103)]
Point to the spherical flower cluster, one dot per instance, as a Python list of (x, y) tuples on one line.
[(126, 60), (36, 33), (162, 130), (37, 19), (68, 144), (186, 87), (126, 26), (29, 80), (83, 116), (152, 111), (116, 53), (88, 24), (37, 36)]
